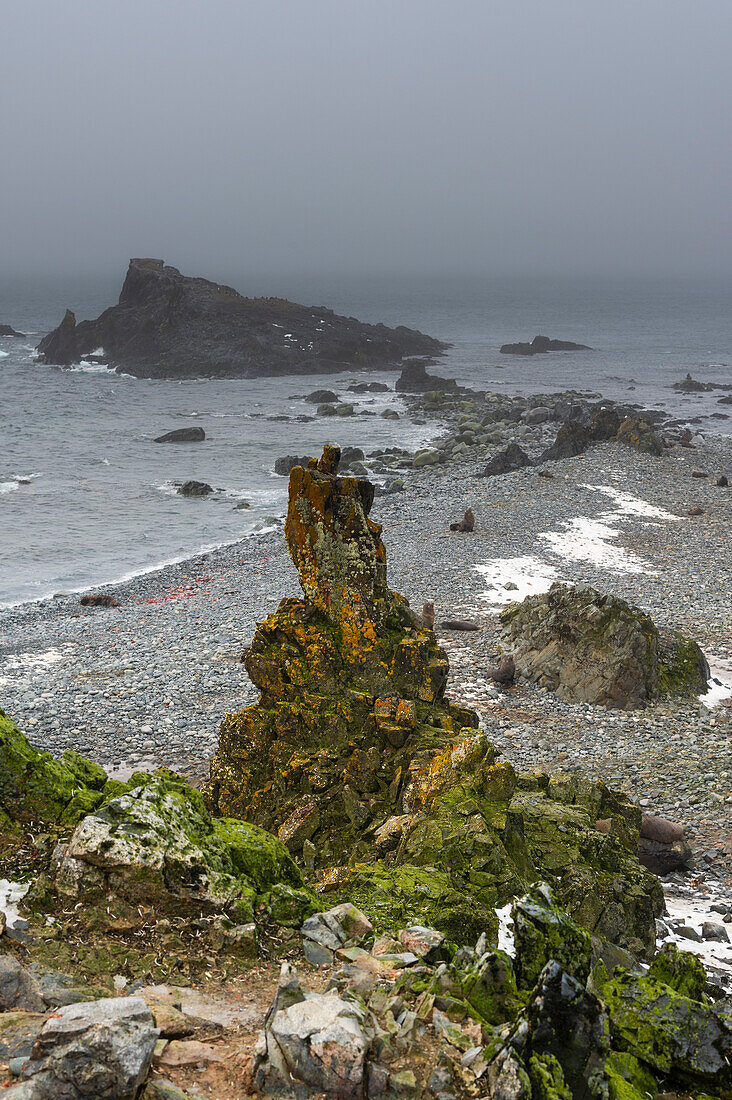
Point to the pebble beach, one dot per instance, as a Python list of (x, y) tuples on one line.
[(146, 683)]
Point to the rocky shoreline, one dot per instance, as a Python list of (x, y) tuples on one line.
[(141, 676), (145, 684)]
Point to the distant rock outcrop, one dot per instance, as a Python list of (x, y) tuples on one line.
[(692, 385), (415, 379), (6, 330), (596, 648), (167, 325), (541, 344)]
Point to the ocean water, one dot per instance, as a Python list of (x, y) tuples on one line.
[(87, 497)]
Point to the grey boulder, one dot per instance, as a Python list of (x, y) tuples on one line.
[(98, 1050)]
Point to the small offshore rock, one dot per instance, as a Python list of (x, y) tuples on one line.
[(195, 489), (182, 435)]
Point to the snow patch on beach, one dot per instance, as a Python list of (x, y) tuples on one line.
[(11, 893), (530, 576), (581, 539), (719, 682), (628, 505), (20, 665), (592, 541), (693, 912)]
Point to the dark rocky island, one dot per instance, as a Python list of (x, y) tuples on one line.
[(168, 325), (6, 330), (540, 345)]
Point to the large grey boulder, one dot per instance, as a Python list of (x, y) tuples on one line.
[(312, 1044), (597, 648), (99, 1050)]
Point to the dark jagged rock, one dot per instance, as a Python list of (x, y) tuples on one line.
[(506, 461), (540, 345), (167, 325), (195, 489), (664, 859), (354, 753), (597, 648), (6, 330), (415, 379), (572, 439), (61, 346), (183, 435)]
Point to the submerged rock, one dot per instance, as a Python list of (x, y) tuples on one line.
[(195, 489), (597, 648), (167, 325)]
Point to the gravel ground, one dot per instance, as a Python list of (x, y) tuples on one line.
[(147, 683)]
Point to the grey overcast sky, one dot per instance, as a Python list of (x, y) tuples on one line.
[(351, 136)]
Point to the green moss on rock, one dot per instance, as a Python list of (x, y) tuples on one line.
[(33, 786), (396, 897), (547, 1079)]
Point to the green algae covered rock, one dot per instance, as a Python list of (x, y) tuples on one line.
[(681, 971), (637, 433), (676, 1036), (547, 1079), (33, 786), (597, 648), (157, 845), (543, 932), (397, 897)]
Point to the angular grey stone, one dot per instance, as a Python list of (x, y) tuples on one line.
[(18, 989), (99, 1050)]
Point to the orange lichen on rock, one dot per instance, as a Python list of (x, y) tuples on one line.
[(352, 683)]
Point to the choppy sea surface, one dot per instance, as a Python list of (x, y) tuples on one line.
[(87, 497)]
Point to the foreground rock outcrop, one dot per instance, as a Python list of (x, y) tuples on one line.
[(597, 648), (358, 760), (168, 325)]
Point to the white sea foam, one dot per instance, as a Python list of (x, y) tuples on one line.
[(530, 575), (85, 367), (7, 487)]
